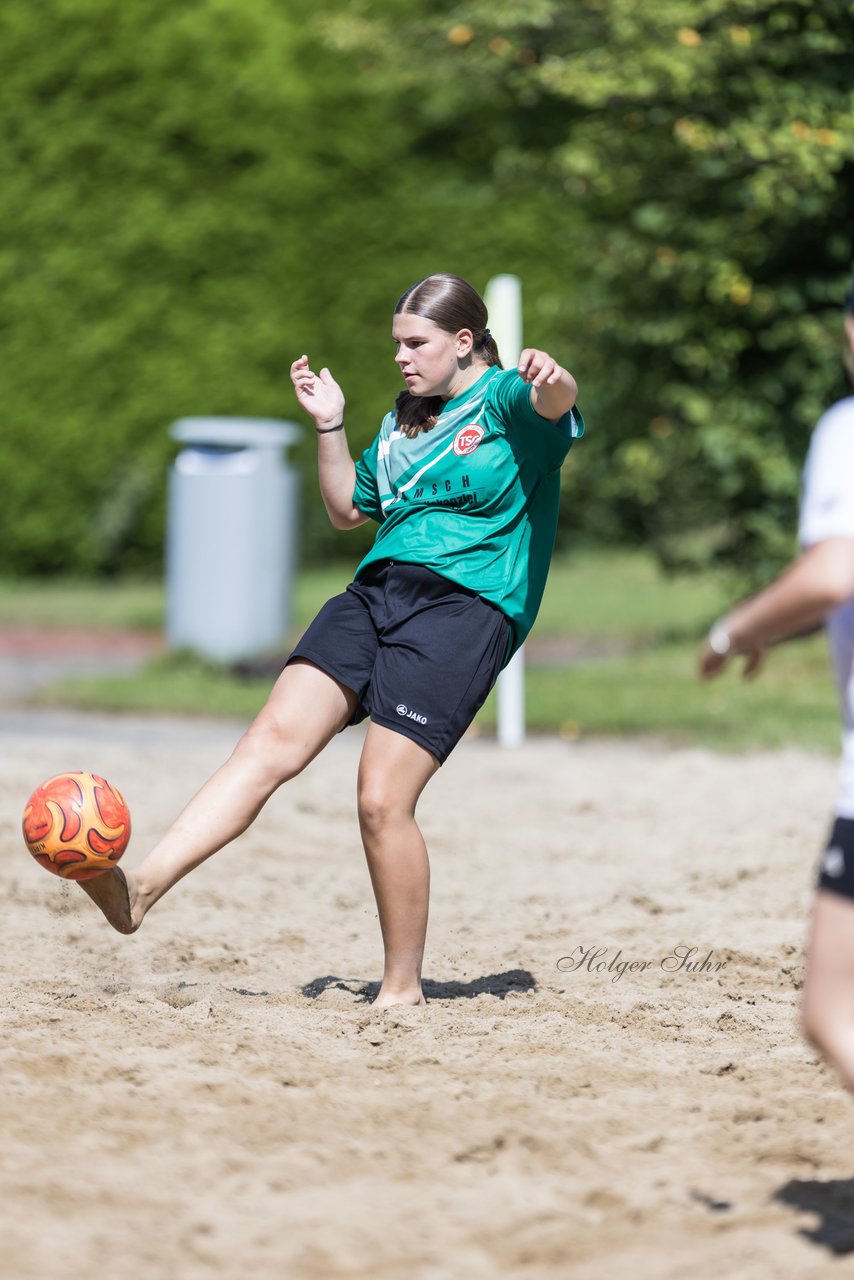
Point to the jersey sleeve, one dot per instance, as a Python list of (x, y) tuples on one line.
[(366, 494), (827, 500), (546, 442)]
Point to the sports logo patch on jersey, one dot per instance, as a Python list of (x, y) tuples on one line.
[(467, 439)]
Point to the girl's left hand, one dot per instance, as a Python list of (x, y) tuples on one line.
[(538, 368)]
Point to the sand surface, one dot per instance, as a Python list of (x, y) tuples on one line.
[(213, 1097)]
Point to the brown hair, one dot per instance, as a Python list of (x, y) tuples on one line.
[(452, 304)]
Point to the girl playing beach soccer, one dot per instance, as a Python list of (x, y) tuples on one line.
[(818, 587), (463, 482)]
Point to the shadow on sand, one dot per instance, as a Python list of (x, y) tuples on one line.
[(833, 1201), (492, 984)]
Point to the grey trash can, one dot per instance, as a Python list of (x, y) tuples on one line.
[(231, 536)]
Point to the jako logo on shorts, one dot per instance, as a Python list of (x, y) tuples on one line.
[(467, 439), (403, 710)]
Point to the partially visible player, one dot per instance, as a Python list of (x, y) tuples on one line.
[(818, 587), (463, 480)]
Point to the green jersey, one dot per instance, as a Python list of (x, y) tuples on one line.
[(476, 498)]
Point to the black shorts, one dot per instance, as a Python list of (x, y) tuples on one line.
[(420, 652), (836, 872)]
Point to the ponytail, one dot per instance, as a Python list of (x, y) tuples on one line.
[(487, 347)]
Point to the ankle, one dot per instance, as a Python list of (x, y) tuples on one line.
[(393, 993), (139, 897)]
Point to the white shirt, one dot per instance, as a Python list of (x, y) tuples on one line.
[(827, 511)]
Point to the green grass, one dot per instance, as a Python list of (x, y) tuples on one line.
[(176, 683), (656, 691), (650, 624), (130, 603), (67, 602), (625, 594)]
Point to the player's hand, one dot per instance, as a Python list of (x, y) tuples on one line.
[(713, 664), (753, 663), (318, 393), (538, 368)]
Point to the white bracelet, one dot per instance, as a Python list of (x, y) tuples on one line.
[(719, 640)]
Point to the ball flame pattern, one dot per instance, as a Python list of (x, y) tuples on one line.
[(76, 825)]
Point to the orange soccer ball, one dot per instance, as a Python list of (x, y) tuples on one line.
[(76, 825)]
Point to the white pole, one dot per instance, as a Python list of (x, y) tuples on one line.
[(503, 298)]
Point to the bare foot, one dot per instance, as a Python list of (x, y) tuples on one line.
[(385, 999), (115, 895)]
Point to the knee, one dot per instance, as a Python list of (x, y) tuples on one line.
[(272, 750), (379, 807)]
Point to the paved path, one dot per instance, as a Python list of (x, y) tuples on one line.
[(31, 657)]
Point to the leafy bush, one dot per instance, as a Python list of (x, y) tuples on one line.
[(192, 195), (706, 154)]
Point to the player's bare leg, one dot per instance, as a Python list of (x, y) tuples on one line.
[(305, 709), (393, 772), (828, 996)]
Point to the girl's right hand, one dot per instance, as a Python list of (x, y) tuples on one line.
[(319, 394)]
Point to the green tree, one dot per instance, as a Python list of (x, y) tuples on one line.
[(708, 148), (190, 196)]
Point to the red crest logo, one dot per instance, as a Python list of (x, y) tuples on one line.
[(467, 439)]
